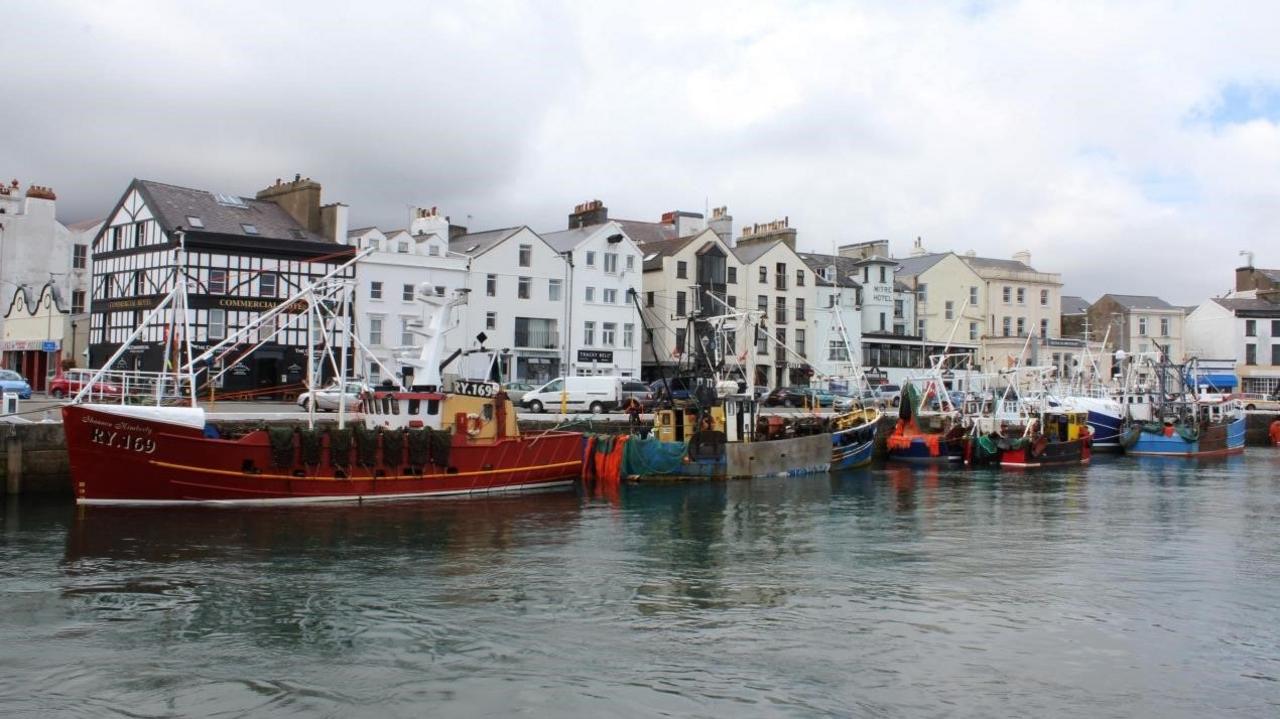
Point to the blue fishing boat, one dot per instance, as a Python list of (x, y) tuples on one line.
[(853, 438), (1174, 420)]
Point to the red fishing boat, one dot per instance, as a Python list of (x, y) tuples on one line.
[(399, 442)]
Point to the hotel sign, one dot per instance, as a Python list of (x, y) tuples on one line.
[(257, 305), (605, 356), (134, 303)]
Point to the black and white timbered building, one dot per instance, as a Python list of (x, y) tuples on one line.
[(243, 257)]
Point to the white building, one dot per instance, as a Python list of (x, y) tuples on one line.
[(35, 252), (604, 269), (1241, 328), (837, 317), (517, 300), (402, 261)]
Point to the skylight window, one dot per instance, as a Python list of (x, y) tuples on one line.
[(298, 234), (249, 229), (195, 222), (229, 200), (472, 248), (650, 257)]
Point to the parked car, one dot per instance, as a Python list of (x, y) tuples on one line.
[(681, 387), (12, 382), (890, 394), (638, 390), (799, 397), (595, 394), (327, 399), (850, 400), (1253, 400), (69, 383), (516, 390)]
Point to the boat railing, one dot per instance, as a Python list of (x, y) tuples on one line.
[(137, 387)]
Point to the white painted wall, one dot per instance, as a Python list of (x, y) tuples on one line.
[(608, 303), (502, 261)]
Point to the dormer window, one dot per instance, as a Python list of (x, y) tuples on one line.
[(196, 222), (248, 228)]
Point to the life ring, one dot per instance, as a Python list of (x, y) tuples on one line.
[(474, 425)]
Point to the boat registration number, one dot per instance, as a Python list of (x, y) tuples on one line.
[(475, 389), (122, 440)]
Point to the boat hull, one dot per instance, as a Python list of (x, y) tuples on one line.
[(789, 457), (1053, 454), (1106, 431), (128, 459), (1213, 440), (921, 451), (853, 447)]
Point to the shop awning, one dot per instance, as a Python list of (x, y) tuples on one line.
[(1216, 381)]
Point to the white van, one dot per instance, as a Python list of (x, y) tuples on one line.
[(595, 394)]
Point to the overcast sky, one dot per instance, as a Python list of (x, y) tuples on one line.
[(1134, 147)]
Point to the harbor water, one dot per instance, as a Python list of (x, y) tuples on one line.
[(1146, 587)]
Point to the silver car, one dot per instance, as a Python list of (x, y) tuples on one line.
[(327, 399)]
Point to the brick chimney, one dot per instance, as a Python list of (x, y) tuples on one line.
[(587, 214), (722, 224), (300, 198), (763, 232)]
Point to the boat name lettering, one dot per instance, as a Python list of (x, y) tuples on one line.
[(117, 426), (122, 440), (475, 389)]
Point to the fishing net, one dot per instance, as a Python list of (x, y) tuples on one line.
[(392, 447), (339, 447), (281, 445), (652, 456), (419, 441), (366, 446), (309, 441)]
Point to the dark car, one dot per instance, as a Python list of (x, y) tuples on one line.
[(799, 397), (681, 387), (638, 390)]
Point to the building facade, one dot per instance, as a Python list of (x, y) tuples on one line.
[(837, 318), (242, 257), (603, 283), (35, 269), (780, 284), (516, 307), (1020, 302), (684, 278), (1243, 327), (1137, 324), (399, 265)]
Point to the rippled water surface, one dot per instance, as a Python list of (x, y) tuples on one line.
[(1130, 588)]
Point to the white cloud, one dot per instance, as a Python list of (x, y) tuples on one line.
[(1063, 128)]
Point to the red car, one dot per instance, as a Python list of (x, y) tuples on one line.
[(70, 383)]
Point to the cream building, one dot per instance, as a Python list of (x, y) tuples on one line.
[(779, 283)]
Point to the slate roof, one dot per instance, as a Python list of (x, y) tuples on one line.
[(1140, 302), (173, 204), (478, 243), (655, 251), (1273, 275), (913, 266), (643, 233), (990, 263), (84, 225), (566, 240), (1247, 304), (754, 251), (1072, 305), (846, 269), (359, 231)]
